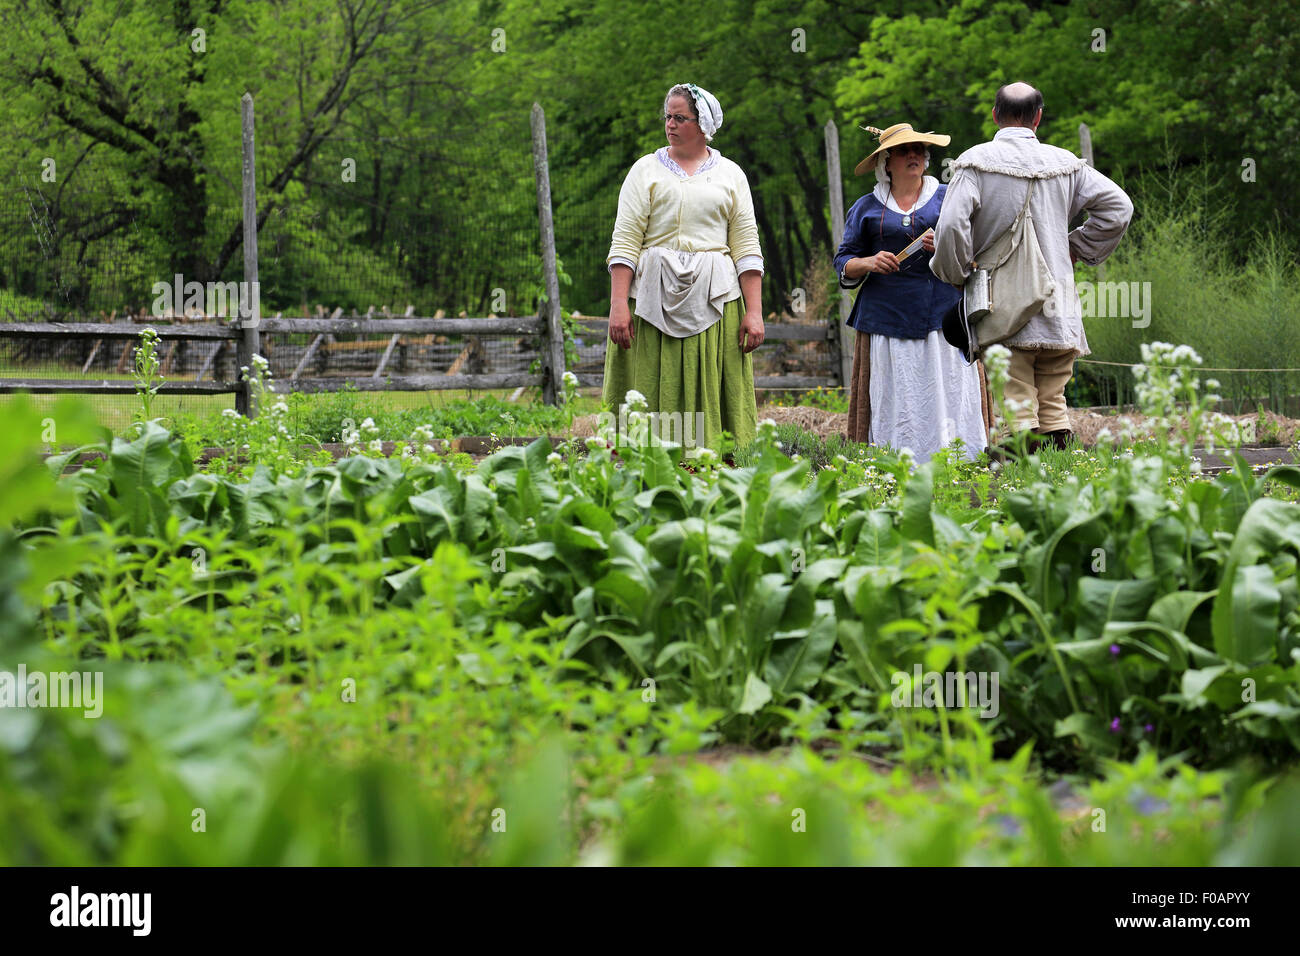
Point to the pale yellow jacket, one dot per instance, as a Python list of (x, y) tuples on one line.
[(711, 211)]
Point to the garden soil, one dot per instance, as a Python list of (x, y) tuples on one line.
[(1269, 429)]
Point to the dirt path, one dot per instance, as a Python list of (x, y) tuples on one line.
[(1265, 430)]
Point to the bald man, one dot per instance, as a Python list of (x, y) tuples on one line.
[(988, 188)]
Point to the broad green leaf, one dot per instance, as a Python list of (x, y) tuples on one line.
[(1251, 633), (1090, 729), (480, 502), (755, 696), (1046, 567), (1175, 610), (796, 663), (1101, 600), (626, 589), (141, 471), (1245, 615), (918, 498), (876, 539), (803, 593), (1094, 652), (1196, 682), (1287, 474), (438, 512)]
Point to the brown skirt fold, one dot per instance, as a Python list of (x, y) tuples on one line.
[(859, 426)]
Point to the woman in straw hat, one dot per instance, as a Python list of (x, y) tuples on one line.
[(910, 388), (685, 250)]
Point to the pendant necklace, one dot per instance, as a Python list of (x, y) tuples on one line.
[(907, 216)]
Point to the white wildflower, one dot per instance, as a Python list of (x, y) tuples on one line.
[(997, 360)]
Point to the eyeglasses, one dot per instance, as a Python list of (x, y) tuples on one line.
[(678, 118)]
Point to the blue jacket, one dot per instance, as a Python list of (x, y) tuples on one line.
[(909, 303)]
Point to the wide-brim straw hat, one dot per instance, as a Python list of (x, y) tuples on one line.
[(897, 135)]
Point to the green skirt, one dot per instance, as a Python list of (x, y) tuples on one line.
[(704, 373)]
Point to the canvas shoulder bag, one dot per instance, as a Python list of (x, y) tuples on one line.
[(1000, 298)]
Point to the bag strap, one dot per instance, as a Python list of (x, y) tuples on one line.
[(1025, 208), (1014, 229)]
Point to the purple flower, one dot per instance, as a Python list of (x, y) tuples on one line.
[(1114, 726), (1149, 805), (1114, 650), (1149, 727), (1008, 825)]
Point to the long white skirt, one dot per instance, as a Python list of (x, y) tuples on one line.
[(923, 395)]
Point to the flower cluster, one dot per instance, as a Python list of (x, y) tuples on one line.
[(997, 368), (1167, 387)]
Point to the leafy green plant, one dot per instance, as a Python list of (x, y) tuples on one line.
[(642, 612)]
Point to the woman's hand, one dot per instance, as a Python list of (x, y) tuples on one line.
[(882, 263), (620, 324), (752, 332), (927, 242)]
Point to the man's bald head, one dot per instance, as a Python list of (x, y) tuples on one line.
[(1017, 104)]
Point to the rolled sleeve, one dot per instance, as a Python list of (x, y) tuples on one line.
[(742, 227), (749, 264), (953, 245), (851, 247)]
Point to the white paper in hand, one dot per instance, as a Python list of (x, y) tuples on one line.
[(914, 246)]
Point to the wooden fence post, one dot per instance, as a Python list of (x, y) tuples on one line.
[(553, 350), (1085, 150), (842, 344), (250, 317), (1085, 144)]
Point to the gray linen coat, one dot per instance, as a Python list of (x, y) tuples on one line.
[(984, 197)]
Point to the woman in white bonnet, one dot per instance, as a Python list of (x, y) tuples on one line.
[(685, 250)]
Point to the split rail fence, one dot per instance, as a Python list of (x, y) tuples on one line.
[(219, 338)]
